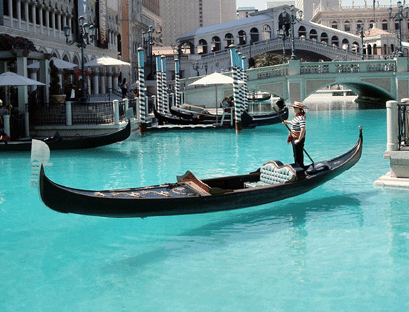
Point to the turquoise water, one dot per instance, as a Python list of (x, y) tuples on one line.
[(341, 247)]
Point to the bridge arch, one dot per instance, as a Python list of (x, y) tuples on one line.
[(364, 90)]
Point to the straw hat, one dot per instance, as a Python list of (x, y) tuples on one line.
[(299, 105)]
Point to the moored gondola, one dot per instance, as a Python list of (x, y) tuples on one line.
[(248, 121), (270, 183), (75, 142)]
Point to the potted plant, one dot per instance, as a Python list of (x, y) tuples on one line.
[(55, 89)]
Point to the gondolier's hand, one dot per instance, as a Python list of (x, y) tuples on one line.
[(296, 141)]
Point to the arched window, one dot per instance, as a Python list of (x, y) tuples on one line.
[(254, 35), (313, 35), (384, 25), (202, 47), (345, 44), (324, 38), (266, 32), (334, 24), (229, 39), (371, 24), (347, 26), (242, 38), (335, 41), (302, 32), (216, 43)]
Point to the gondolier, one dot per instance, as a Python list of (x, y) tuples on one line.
[(297, 133)]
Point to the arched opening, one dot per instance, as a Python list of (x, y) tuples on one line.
[(347, 26), (254, 35), (284, 20), (202, 47), (266, 32), (369, 49), (313, 35), (302, 32), (335, 41), (334, 24), (229, 39), (241, 38), (345, 44), (384, 24), (324, 38), (375, 49), (216, 44)]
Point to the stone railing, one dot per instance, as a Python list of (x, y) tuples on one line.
[(348, 67), (70, 113)]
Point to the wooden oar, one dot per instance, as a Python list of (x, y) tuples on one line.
[(282, 119)]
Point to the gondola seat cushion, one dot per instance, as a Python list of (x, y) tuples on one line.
[(273, 173)]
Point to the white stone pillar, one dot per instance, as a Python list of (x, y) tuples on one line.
[(22, 90), (26, 15), (6, 119), (34, 14), (11, 13), (126, 104), (54, 15), (68, 113), (47, 22), (392, 125), (116, 112), (19, 14), (41, 19), (94, 82)]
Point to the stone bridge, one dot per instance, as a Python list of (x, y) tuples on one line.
[(375, 81)]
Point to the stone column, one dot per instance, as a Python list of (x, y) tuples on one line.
[(34, 14), (68, 113), (392, 125), (19, 14), (11, 13), (26, 16)]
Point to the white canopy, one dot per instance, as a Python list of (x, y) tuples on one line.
[(61, 64), (215, 79), (12, 79), (106, 61)]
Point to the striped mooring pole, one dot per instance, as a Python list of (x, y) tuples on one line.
[(177, 83), (165, 87), (142, 106), (236, 94), (159, 90)]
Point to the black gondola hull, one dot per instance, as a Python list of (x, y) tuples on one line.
[(128, 203), (66, 143)]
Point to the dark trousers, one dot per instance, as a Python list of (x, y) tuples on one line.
[(298, 150)]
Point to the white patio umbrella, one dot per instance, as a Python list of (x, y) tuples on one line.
[(12, 79), (60, 64), (215, 79), (106, 61)]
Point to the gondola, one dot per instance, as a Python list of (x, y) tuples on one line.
[(248, 121), (270, 183), (75, 142)]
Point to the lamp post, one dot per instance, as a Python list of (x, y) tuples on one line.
[(85, 36), (360, 29), (399, 16), (282, 34), (148, 42), (293, 19), (196, 66)]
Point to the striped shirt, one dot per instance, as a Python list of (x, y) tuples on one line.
[(297, 123)]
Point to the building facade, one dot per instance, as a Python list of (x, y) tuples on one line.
[(181, 16), (349, 19), (244, 12)]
